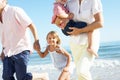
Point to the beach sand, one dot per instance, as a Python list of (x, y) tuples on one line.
[(98, 73), (106, 70), (40, 76), (101, 70)]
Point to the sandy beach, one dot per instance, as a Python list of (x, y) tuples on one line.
[(101, 70), (106, 70)]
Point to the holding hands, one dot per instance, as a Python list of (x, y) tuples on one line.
[(36, 45), (2, 55)]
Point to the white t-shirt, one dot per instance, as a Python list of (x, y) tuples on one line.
[(14, 35), (85, 12)]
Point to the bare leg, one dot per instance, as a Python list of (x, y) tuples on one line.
[(64, 23), (90, 44), (65, 75), (40, 76)]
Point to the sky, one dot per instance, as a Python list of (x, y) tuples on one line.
[(40, 11)]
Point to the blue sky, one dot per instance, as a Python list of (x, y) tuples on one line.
[(40, 11)]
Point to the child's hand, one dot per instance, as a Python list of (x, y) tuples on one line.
[(2, 55), (36, 45)]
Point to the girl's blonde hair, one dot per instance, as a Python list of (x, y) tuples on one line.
[(56, 35)]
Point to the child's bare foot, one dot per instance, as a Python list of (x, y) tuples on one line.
[(92, 52), (40, 76)]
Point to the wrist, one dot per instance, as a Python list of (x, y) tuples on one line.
[(36, 40), (65, 70)]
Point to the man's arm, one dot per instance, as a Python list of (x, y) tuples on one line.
[(36, 44)]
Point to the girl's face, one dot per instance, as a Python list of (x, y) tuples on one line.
[(51, 39), (62, 1)]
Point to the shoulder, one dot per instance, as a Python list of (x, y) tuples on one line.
[(18, 9), (60, 49), (56, 5), (13, 9), (97, 6), (96, 1)]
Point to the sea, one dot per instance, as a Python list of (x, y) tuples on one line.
[(105, 67)]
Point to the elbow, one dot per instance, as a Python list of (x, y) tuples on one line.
[(70, 58), (42, 56), (101, 24)]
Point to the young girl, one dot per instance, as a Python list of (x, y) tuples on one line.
[(60, 57)]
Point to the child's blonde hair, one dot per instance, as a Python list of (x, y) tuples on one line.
[(56, 35)]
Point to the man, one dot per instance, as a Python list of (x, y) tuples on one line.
[(14, 23)]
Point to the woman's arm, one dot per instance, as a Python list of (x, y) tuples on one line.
[(98, 23)]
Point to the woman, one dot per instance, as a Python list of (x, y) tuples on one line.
[(89, 11)]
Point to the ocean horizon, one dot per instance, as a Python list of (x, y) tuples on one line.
[(105, 67), (107, 51)]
